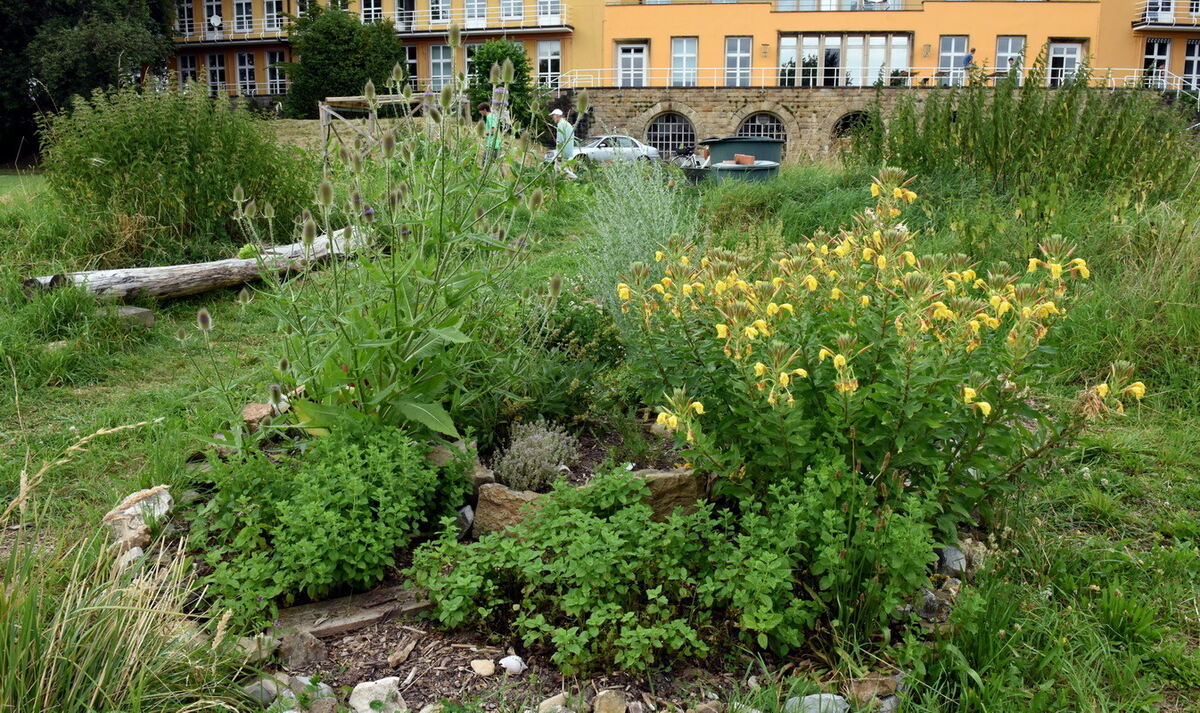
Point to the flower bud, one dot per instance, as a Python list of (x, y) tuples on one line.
[(268, 211), (244, 297), (204, 320), (555, 286), (325, 193), (250, 209), (397, 74), (581, 102), (389, 144), (454, 36), (507, 71), (308, 233), (239, 194), (446, 99), (275, 396), (536, 197), (284, 365), (369, 91), (494, 74)]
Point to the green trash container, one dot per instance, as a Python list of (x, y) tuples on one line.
[(723, 149)]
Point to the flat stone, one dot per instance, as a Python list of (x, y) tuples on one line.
[(305, 686), (382, 696), (464, 520), (864, 690), (264, 690), (481, 476), (500, 508), (137, 315), (259, 648), (301, 650), (951, 561), (710, 707), (610, 701), (558, 700), (817, 703), (350, 613), (401, 654), (671, 489), (255, 416), (130, 519), (483, 667), (889, 704), (323, 705)]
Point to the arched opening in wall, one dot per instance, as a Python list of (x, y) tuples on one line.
[(850, 124), (669, 132), (764, 125)]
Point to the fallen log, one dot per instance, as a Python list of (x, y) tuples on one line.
[(182, 280)]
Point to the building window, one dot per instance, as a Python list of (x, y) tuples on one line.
[(245, 74), (212, 17), (1009, 49), (216, 74), (549, 12), (243, 16), (549, 61), (276, 77), (441, 66), (631, 65), (372, 10), (1065, 58), (185, 20), (670, 132), (439, 10), (763, 125), (187, 68), (1191, 66), (273, 14), (511, 9), (475, 13), (683, 61), (737, 61), (1155, 61), (410, 64), (843, 60), (952, 55), (469, 51)]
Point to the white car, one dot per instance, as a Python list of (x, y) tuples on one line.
[(612, 147)]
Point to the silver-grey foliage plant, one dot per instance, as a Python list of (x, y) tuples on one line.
[(534, 455)]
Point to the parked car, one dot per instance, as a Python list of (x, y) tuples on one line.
[(611, 147)]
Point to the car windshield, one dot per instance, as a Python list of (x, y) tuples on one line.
[(594, 141)]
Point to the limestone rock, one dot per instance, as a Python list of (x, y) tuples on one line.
[(817, 703), (266, 689), (133, 554), (481, 476), (305, 686), (255, 416), (609, 701), (558, 700), (513, 665), (951, 561), (710, 707), (259, 648), (323, 705), (384, 694), (130, 520), (464, 520), (483, 667), (301, 650), (670, 489), (137, 315), (889, 704), (864, 690), (500, 508)]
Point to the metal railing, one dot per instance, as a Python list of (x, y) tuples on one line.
[(232, 29), (1167, 14)]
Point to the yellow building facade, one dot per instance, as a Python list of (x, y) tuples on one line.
[(236, 46)]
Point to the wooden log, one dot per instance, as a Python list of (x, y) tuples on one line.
[(182, 280)]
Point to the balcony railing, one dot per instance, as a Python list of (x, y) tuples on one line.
[(233, 29), (1167, 14)]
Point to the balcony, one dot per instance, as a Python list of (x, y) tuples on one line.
[(233, 30), (481, 18), (1167, 15)]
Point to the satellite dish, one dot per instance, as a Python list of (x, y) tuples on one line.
[(215, 21)]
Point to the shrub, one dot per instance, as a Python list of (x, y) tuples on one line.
[(520, 89), (911, 368), (534, 455), (157, 170), (333, 521), (338, 55)]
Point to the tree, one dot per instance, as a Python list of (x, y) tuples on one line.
[(520, 89), (52, 51), (337, 55)]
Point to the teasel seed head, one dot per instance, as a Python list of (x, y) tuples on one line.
[(369, 91), (285, 366), (250, 210), (454, 35), (239, 194), (446, 99), (275, 396), (181, 335), (244, 297), (268, 211), (507, 71), (325, 193), (581, 102), (204, 320), (368, 214), (555, 286), (536, 197), (308, 232), (494, 73), (389, 144)]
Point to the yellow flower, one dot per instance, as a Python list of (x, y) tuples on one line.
[(772, 309), (868, 254), (704, 262), (909, 195), (875, 190), (1055, 270), (1084, 272), (623, 291), (658, 288), (1047, 308), (1137, 390), (897, 192), (865, 301), (684, 260), (969, 394), (698, 287), (750, 333), (686, 289), (823, 353), (803, 374), (786, 306), (984, 407), (1102, 390), (941, 311), (698, 407), (659, 256), (778, 281), (672, 422), (760, 368), (909, 258), (1004, 307), (761, 325), (722, 331), (1033, 264), (967, 275), (835, 294), (839, 362), (979, 284), (668, 282), (810, 282), (784, 379), (950, 285), (881, 262), (720, 287)]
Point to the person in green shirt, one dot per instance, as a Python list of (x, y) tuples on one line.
[(491, 132), (564, 141)]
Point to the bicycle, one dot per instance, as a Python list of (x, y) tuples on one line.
[(686, 157)]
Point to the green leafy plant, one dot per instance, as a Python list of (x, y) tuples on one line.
[(331, 521), (517, 85), (534, 454)]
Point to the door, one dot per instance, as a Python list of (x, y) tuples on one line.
[(1064, 61), (476, 14), (549, 12), (1160, 12), (631, 65)]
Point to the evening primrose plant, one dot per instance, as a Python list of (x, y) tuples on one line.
[(921, 371)]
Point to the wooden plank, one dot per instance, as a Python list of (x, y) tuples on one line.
[(346, 614)]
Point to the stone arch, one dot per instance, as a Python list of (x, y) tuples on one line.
[(790, 125), (639, 125), (848, 123), (670, 131)]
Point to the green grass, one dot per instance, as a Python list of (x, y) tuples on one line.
[(20, 183)]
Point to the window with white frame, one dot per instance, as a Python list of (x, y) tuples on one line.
[(245, 74), (631, 65), (469, 51), (1191, 66), (276, 77), (439, 10), (838, 60), (185, 19), (475, 13), (372, 10), (549, 12), (410, 64), (952, 55), (1155, 61), (213, 17), (1009, 49), (273, 14), (670, 132), (186, 64), (549, 61), (441, 66), (683, 61), (243, 15), (512, 9), (764, 125), (737, 61), (216, 74)]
